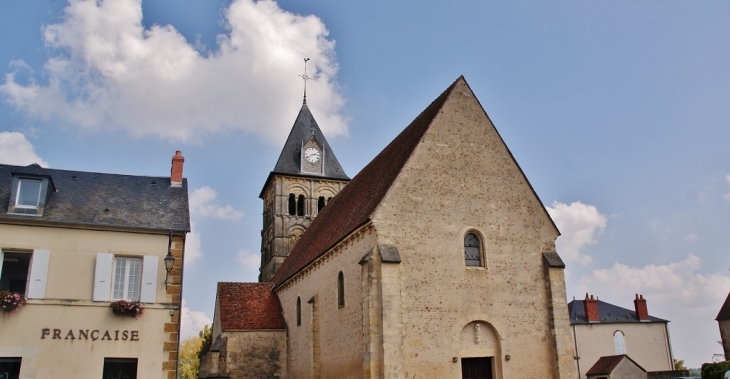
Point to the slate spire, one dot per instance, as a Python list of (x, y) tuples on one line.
[(304, 128)]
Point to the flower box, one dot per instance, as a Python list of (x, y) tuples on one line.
[(127, 308), (11, 301)]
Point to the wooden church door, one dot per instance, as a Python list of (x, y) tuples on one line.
[(476, 368)]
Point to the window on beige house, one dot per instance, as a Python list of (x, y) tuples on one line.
[(619, 342)]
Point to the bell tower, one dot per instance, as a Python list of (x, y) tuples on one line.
[(306, 176)]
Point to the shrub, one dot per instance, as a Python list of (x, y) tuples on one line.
[(715, 370)]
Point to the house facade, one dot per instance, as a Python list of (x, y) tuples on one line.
[(75, 242), (601, 329), (437, 260)]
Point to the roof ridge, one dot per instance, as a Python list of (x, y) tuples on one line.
[(356, 203)]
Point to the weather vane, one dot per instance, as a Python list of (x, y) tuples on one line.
[(305, 77)]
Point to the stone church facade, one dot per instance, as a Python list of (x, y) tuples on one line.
[(437, 260)]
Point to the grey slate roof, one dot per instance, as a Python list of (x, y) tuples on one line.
[(290, 158), (607, 313), (81, 198)]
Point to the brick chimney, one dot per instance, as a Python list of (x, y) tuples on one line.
[(176, 172), (591, 308), (640, 306)]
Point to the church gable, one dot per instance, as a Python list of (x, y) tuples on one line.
[(462, 166)]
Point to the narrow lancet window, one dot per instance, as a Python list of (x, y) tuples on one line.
[(292, 205), (320, 204), (340, 290), (299, 311), (472, 250), (300, 206)]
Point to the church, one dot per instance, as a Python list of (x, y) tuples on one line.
[(437, 260)]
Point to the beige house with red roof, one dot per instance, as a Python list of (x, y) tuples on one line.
[(437, 260)]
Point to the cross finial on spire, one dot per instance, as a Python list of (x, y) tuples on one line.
[(305, 77)]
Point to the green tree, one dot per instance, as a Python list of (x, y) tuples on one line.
[(679, 364), (190, 354), (205, 336)]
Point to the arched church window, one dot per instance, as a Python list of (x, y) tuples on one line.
[(299, 311), (340, 290), (320, 204), (619, 342), (292, 205), (300, 206), (472, 250)]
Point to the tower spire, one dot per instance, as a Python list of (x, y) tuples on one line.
[(305, 77)]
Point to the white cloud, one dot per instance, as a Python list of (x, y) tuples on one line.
[(201, 204), (676, 291), (193, 248), (15, 149), (250, 261), (580, 225), (727, 195), (691, 237), (192, 322), (111, 72)]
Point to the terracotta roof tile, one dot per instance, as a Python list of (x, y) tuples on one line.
[(605, 365), (358, 201), (249, 306), (725, 310)]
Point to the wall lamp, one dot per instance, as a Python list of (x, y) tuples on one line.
[(169, 260)]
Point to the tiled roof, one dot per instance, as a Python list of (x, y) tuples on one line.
[(605, 365), (290, 158), (358, 201), (607, 313), (102, 200), (249, 306), (725, 310)]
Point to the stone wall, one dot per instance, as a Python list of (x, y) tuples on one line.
[(329, 341), (280, 229), (462, 179)]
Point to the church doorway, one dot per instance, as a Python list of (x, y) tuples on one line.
[(476, 368)]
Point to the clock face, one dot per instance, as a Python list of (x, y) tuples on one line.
[(311, 155)]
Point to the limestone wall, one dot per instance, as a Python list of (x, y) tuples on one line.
[(462, 179), (256, 354), (329, 341)]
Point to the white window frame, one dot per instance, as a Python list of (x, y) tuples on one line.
[(19, 190), (127, 293), (105, 278)]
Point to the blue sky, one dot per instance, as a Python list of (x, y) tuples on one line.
[(616, 111)]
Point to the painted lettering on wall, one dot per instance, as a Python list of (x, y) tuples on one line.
[(90, 334)]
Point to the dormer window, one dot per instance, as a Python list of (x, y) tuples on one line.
[(29, 195)]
